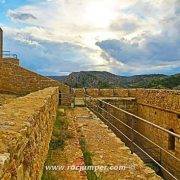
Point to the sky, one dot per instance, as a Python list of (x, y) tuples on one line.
[(125, 37)]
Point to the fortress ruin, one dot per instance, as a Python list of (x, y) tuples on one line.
[(146, 122)]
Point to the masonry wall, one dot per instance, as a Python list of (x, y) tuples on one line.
[(11, 60), (15, 79), (25, 131), (6, 98), (80, 92), (161, 107)]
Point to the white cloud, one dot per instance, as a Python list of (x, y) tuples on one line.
[(84, 22)]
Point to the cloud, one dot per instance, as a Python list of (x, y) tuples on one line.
[(122, 36), (126, 26), (155, 54), (19, 16), (51, 57), (156, 49)]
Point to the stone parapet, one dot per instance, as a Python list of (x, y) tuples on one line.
[(165, 99), (11, 60), (25, 131)]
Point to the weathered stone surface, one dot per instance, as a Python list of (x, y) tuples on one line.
[(6, 98), (15, 79), (24, 139), (69, 156), (20, 173), (107, 151), (161, 107)]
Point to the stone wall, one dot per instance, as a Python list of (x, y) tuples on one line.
[(161, 107), (80, 92), (11, 60), (15, 79), (165, 99), (6, 98), (25, 131)]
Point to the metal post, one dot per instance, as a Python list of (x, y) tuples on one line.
[(1, 43)]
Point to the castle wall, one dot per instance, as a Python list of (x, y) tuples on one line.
[(11, 60), (15, 79), (119, 92), (161, 107), (26, 128)]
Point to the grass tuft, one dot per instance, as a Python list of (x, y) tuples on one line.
[(91, 175)]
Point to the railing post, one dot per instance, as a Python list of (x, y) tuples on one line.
[(1, 43)]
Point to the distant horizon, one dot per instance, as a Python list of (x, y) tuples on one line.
[(126, 37), (117, 74)]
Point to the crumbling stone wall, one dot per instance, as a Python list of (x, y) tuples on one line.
[(25, 131), (15, 79)]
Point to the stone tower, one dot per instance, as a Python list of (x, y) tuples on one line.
[(1, 43)]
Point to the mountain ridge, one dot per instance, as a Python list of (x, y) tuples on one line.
[(103, 79)]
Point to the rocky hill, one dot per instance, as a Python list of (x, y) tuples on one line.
[(103, 79)]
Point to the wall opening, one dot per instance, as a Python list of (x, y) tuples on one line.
[(171, 141)]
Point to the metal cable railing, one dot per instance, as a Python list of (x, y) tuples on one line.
[(125, 123), (8, 54)]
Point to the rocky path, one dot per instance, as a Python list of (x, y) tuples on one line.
[(91, 146), (111, 157), (65, 152)]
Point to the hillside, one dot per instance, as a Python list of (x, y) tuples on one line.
[(103, 79), (94, 79)]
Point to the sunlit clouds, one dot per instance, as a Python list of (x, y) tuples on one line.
[(120, 36)]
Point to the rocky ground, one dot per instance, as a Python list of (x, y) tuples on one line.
[(85, 141)]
